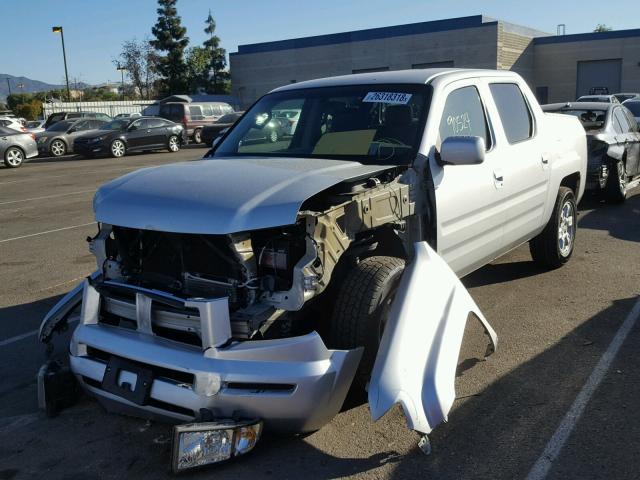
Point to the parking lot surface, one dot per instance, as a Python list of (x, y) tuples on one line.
[(554, 329)]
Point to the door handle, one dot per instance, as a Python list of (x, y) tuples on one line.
[(545, 160), (498, 178), (149, 131)]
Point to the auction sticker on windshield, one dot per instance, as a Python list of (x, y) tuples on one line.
[(387, 97)]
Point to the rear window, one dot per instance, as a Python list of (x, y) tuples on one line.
[(514, 112), (172, 112), (634, 107)]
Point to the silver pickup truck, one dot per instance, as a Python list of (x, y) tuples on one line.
[(268, 280)]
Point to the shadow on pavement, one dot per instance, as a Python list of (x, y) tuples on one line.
[(621, 221), (500, 432)]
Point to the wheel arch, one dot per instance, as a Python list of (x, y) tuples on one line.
[(572, 181)]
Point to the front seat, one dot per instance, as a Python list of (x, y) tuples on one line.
[(398, 125)]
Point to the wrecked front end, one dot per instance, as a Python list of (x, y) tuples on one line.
[(228, 330)]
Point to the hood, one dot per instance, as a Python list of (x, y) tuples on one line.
[(220, 196)]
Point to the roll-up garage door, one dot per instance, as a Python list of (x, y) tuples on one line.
[(595, 74)]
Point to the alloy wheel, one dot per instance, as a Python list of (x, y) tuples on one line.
[(566, 229), (58, 148), (622, 178), (14, 157), (273, 136), (117, 148), (173, 144)]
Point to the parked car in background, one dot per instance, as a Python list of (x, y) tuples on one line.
[(12, 123), (16, 147), (598, 98), (120, 136), (289, 119), (35, 126), (128, 115), (59, 116), (194, 116), (622, 97), (267, 129), (58, 139), (210, 132), (613, 141), (634, 107)]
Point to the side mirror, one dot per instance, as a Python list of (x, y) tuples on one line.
[(464, 150), (71, 130), (132, 128)]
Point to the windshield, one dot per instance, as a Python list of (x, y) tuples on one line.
[(375, 124), (590, 119), (119, 124), (60, 126)]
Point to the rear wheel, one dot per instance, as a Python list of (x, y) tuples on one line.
[(362, 309), (174, 143), (118, 149), (13, 157), (615, 191), (58, 148), (197, 136), (553, 247)]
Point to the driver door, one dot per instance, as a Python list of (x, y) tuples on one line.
[(469, 198), (137, 134)]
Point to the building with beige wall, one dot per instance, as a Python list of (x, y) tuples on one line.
[(558, 68)]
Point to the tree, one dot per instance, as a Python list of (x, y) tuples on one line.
[(218, 57), (139, 60), (198, 62), (170, 37), (601, 27)]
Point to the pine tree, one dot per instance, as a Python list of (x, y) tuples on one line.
[(170, 36), (218, 62)]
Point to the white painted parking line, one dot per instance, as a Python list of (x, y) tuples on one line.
[(47, 196), (17, 338), (550, 454), (46, 232)]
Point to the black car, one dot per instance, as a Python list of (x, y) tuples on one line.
[(123, 135), (613, 141), (212, 131)]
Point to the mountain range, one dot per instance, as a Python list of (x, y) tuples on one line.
[(29, 85)]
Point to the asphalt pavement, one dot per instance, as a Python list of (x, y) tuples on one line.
[(556, 393)]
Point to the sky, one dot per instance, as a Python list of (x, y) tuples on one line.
[(95, 30)]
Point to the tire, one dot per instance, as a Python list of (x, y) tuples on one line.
[(197, 136), (273, 136), (173, 144), (615, 190), (118, 148), (57, 148), (553, 247), (361, 310), (13, 157)]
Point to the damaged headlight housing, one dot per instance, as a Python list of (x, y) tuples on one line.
[(200, 444)]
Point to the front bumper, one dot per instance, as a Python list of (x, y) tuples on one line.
[(293, 384), (93, 148)]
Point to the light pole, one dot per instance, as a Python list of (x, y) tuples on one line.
[(9, 84), (64, 57), (121, 69)]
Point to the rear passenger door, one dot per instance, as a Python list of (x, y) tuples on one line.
[(526, 167), (628, 137), (469, 198)]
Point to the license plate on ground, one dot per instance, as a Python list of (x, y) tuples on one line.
[(128, 380)]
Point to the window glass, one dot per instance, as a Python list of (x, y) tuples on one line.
[(514, 111), (155, 123), (633, 125), (463, 115), (74, 115), (621, 121), (84, 125), (195, 112), (207, 111), (378, 124), (634, 107)]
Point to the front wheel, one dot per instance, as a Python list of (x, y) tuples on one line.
[(197, 136), (553, 247), (362, 309), (273, 136), (174, 143), (118, 148), (615, 191), (58, 148), (13, 157)]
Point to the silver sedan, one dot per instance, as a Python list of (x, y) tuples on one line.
[(58, 139), (16, 147)]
